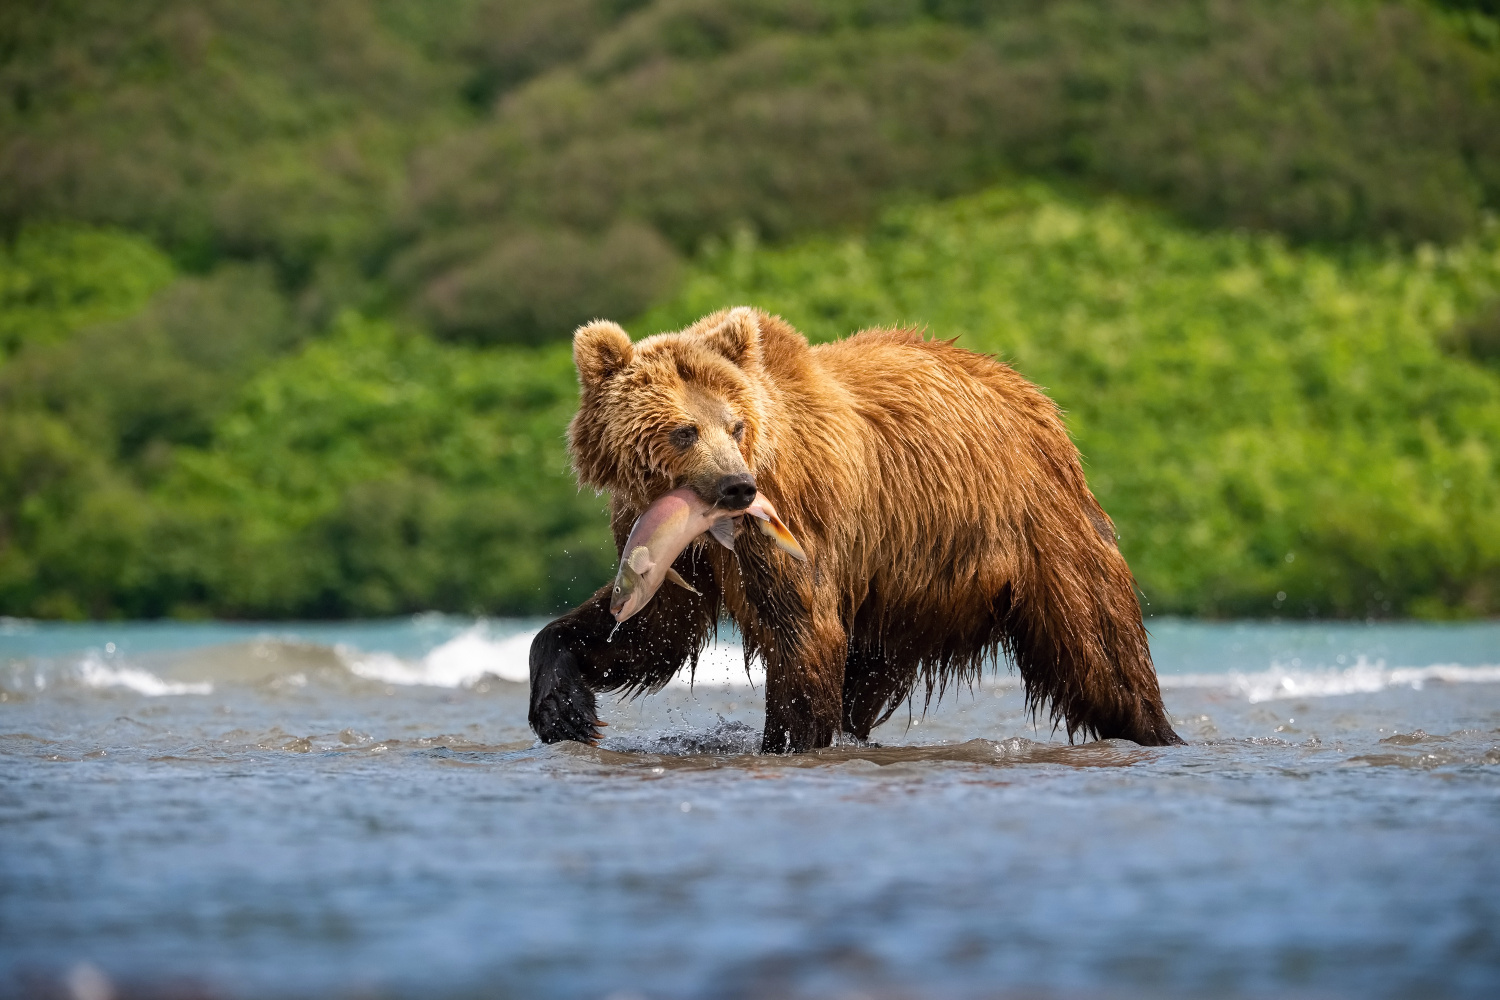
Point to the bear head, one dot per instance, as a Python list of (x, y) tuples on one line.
[(673, 410)]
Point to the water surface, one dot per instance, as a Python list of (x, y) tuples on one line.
[(358, 810)]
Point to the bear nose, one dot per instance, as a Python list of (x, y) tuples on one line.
[(736, 492)]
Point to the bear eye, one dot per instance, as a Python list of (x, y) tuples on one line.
[(738, 430), (684, 437)]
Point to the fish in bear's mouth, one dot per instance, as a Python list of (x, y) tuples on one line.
[(667, 527)]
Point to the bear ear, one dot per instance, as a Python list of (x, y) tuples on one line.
[(600, 350), (737, 338)]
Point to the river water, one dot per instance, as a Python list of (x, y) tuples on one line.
[(359, 810)]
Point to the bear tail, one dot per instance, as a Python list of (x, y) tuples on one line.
[(1074, 630)]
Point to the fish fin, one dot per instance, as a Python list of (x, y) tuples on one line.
[(676, 578), (723, 532), (639, 559), (780, 534)]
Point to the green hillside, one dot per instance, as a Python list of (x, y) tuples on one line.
[(1258, 420), (371, 471), (285, 288), (502, 169), (1274, 430)]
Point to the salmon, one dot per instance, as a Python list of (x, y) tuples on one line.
[(667, 527)]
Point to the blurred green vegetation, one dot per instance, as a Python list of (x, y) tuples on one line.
[(285, 288), (55, 279), (373, 471), (504, 169), (379, 471), (1274, 430)]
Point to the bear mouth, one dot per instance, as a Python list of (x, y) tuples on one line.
[(669, 525)]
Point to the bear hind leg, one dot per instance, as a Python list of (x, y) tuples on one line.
[(1077, 637)]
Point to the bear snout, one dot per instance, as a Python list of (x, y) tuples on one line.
[(736, 492)]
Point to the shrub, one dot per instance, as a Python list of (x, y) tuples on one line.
[(378, 472), (161, 377), (526, 286), (55, 279)]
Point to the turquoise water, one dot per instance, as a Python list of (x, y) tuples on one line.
[(358, 810)]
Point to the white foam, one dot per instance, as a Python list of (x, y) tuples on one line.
[(1363, 677), (16, 626), (474, 654), (94, 672), (460, 662)]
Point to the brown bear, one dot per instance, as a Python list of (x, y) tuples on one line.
[(939, 500)]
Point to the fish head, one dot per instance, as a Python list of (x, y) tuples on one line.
[(632, 589), (672, 411), (629, 595)]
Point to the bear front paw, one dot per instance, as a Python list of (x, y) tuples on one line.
[(562, 706)]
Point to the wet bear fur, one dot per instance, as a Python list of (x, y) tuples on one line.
[(939, 499)]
